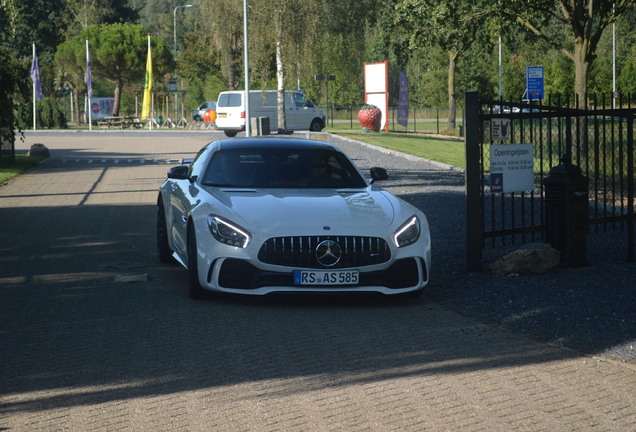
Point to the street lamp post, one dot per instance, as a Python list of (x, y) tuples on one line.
[(248, 130), (174, 27)]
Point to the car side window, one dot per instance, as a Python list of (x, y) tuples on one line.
[(198, 163), (301, 101)]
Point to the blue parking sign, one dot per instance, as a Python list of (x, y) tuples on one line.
[(534, 82)]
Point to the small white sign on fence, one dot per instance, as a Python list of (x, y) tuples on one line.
[(499, 129), (511, 168)]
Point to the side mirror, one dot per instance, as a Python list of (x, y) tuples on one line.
[(179, 172), (378, 173)]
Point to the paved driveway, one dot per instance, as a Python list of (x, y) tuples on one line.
[(81, 351)]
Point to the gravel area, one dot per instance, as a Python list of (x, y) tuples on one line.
[(591, 310)]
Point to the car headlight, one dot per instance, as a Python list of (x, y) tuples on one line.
[(408, 233), (227, 232)]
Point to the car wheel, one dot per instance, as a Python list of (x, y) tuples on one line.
[(316, 125), (195, 290), (163, 247), (230, 133), (197, 118)]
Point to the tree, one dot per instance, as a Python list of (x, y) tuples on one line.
[(626, 79), (79, 14), (83, 13), (316, 38), (10, 93), (156, 15), (451, 25), (343, 39), (118, 55), (70, 60), (199, 66), (13, 86), (586, 20), (218, 42), (36, 20), (287, 32)]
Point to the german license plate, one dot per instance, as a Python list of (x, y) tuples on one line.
[(329, 278), (222, 115)]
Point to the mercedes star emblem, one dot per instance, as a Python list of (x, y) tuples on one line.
[(328, 253)]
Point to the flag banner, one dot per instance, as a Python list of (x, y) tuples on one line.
[(145, 107), (403, 101), (89, 81), (35, 76)]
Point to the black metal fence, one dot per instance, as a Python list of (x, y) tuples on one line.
[(599, 139)]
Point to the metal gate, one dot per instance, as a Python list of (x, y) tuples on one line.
[(599, 140)]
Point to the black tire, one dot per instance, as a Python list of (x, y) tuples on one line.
[(195, 290), (316, 125), (230, 133), (163, 247), (197, 118)]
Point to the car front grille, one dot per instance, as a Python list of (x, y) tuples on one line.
[(355, 251)]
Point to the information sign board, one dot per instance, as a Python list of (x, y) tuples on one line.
[(535, 82), (511, 168)]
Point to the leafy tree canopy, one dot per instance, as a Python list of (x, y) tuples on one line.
[(79, 14), (118, 55), (586, 21)]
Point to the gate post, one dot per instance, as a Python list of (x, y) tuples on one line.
[(566, 211), (474, 211)]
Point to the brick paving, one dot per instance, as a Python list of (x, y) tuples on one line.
[(80, 352)]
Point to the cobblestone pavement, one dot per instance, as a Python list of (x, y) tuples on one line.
[(83, 352)]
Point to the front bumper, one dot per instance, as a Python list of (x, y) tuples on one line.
[(240, 276)]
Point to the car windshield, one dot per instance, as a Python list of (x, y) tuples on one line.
[(282, 168)]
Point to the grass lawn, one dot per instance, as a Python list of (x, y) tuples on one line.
[(448, 151), (21, 164)]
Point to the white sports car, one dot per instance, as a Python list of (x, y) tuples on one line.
[(282, 215)]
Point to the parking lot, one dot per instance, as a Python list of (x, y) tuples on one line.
[(96, 335)]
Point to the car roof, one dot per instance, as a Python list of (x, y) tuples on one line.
[(274, 143)]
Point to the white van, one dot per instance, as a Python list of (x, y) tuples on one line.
[(300, 112)]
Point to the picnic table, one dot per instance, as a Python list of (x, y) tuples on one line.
[(120, 122)]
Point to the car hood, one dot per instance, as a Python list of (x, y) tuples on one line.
[(277, 210)]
